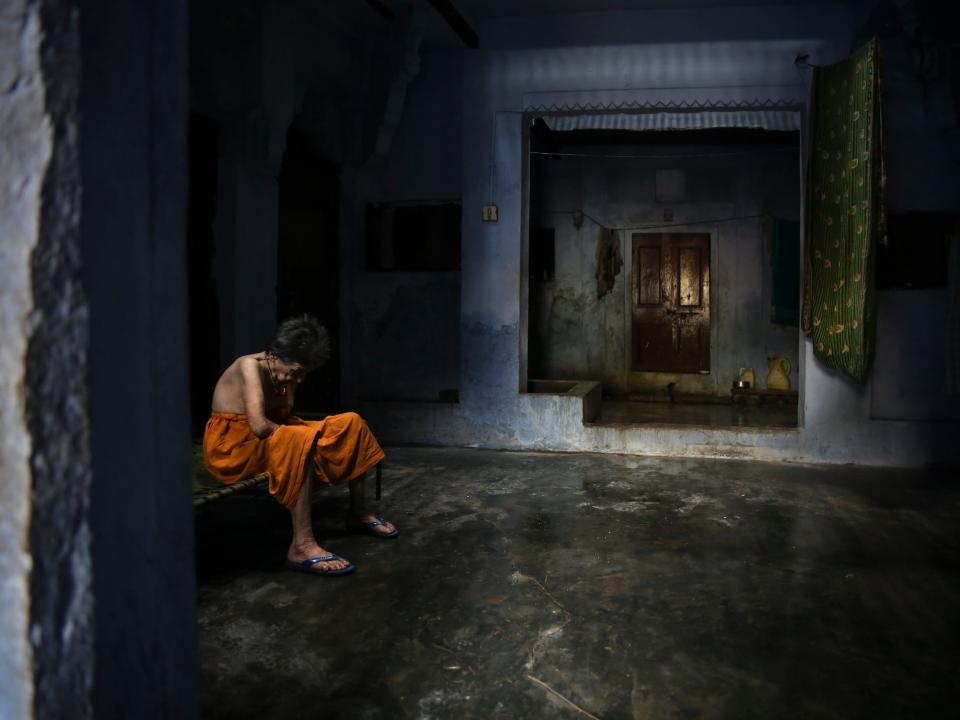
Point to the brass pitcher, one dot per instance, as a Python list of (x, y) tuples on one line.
[(778, 376)]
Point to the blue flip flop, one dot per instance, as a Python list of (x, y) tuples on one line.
[(366, 527), (309, 565)]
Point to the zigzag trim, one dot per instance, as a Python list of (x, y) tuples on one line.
[(755, 104)]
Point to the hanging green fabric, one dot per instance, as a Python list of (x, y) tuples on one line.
[(846, 212)]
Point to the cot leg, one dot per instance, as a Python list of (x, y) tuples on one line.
[(379, 474)]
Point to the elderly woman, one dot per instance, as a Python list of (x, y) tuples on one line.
[(251, 430)]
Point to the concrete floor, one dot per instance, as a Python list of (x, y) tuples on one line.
[(573, 586)]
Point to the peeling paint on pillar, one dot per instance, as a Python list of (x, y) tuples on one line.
[(25, 149), (61, 596)]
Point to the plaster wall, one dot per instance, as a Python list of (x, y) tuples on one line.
[(921, 130), (623, 28), (425, 159), (922, 133), (259, 70), (590, 60), (406, 336), (724, 55), (499, 85), (245, 263), (911, 361), (405, 326), (575, 335), (253, 131), (256, 68)]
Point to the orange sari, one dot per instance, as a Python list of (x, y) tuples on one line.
[(340, 448)]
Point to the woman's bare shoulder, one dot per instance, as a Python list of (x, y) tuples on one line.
[(241, 369), (246, 364), (228, 394), (247, 360)]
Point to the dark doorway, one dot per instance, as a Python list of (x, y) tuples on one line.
[(687, 209), (204, 313), (308, 261), (671, 302)]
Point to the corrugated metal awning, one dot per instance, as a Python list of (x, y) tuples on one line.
[(778, 120)]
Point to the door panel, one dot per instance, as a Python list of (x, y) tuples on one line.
[(671, 308), (649, 275), (691, 279)]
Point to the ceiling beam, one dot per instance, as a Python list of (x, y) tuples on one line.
[(457, 22), (383, 10)]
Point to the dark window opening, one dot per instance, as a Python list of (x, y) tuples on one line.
[(916, 252), (413, 238)]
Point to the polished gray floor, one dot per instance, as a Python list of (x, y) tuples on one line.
[(530, 585)]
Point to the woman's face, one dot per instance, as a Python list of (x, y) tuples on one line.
[(286, 372)]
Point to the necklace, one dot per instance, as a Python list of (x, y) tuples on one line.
[(278, 388)]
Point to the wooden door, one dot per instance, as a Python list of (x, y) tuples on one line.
[(671, 302)]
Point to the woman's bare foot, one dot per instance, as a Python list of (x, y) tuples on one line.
[(301, 552)]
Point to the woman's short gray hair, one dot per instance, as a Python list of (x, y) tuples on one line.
[(302, 340)]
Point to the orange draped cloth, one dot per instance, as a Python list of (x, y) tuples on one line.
[(342, 448)]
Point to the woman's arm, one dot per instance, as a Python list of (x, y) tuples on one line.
[(253, 400)]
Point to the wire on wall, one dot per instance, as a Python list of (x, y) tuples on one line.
[(576, 215)]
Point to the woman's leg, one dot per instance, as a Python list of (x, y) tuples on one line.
[(304, 545), (358, 508)]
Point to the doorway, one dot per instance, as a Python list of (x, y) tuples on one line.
[(204, 301), (662, 262), (308, 261)]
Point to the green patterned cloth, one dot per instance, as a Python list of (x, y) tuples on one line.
[(846, 212)]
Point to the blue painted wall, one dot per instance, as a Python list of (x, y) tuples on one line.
[(594, 60), (681, 66), (404, 327)]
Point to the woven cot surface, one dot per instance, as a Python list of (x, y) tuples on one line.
[(206, 488)]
